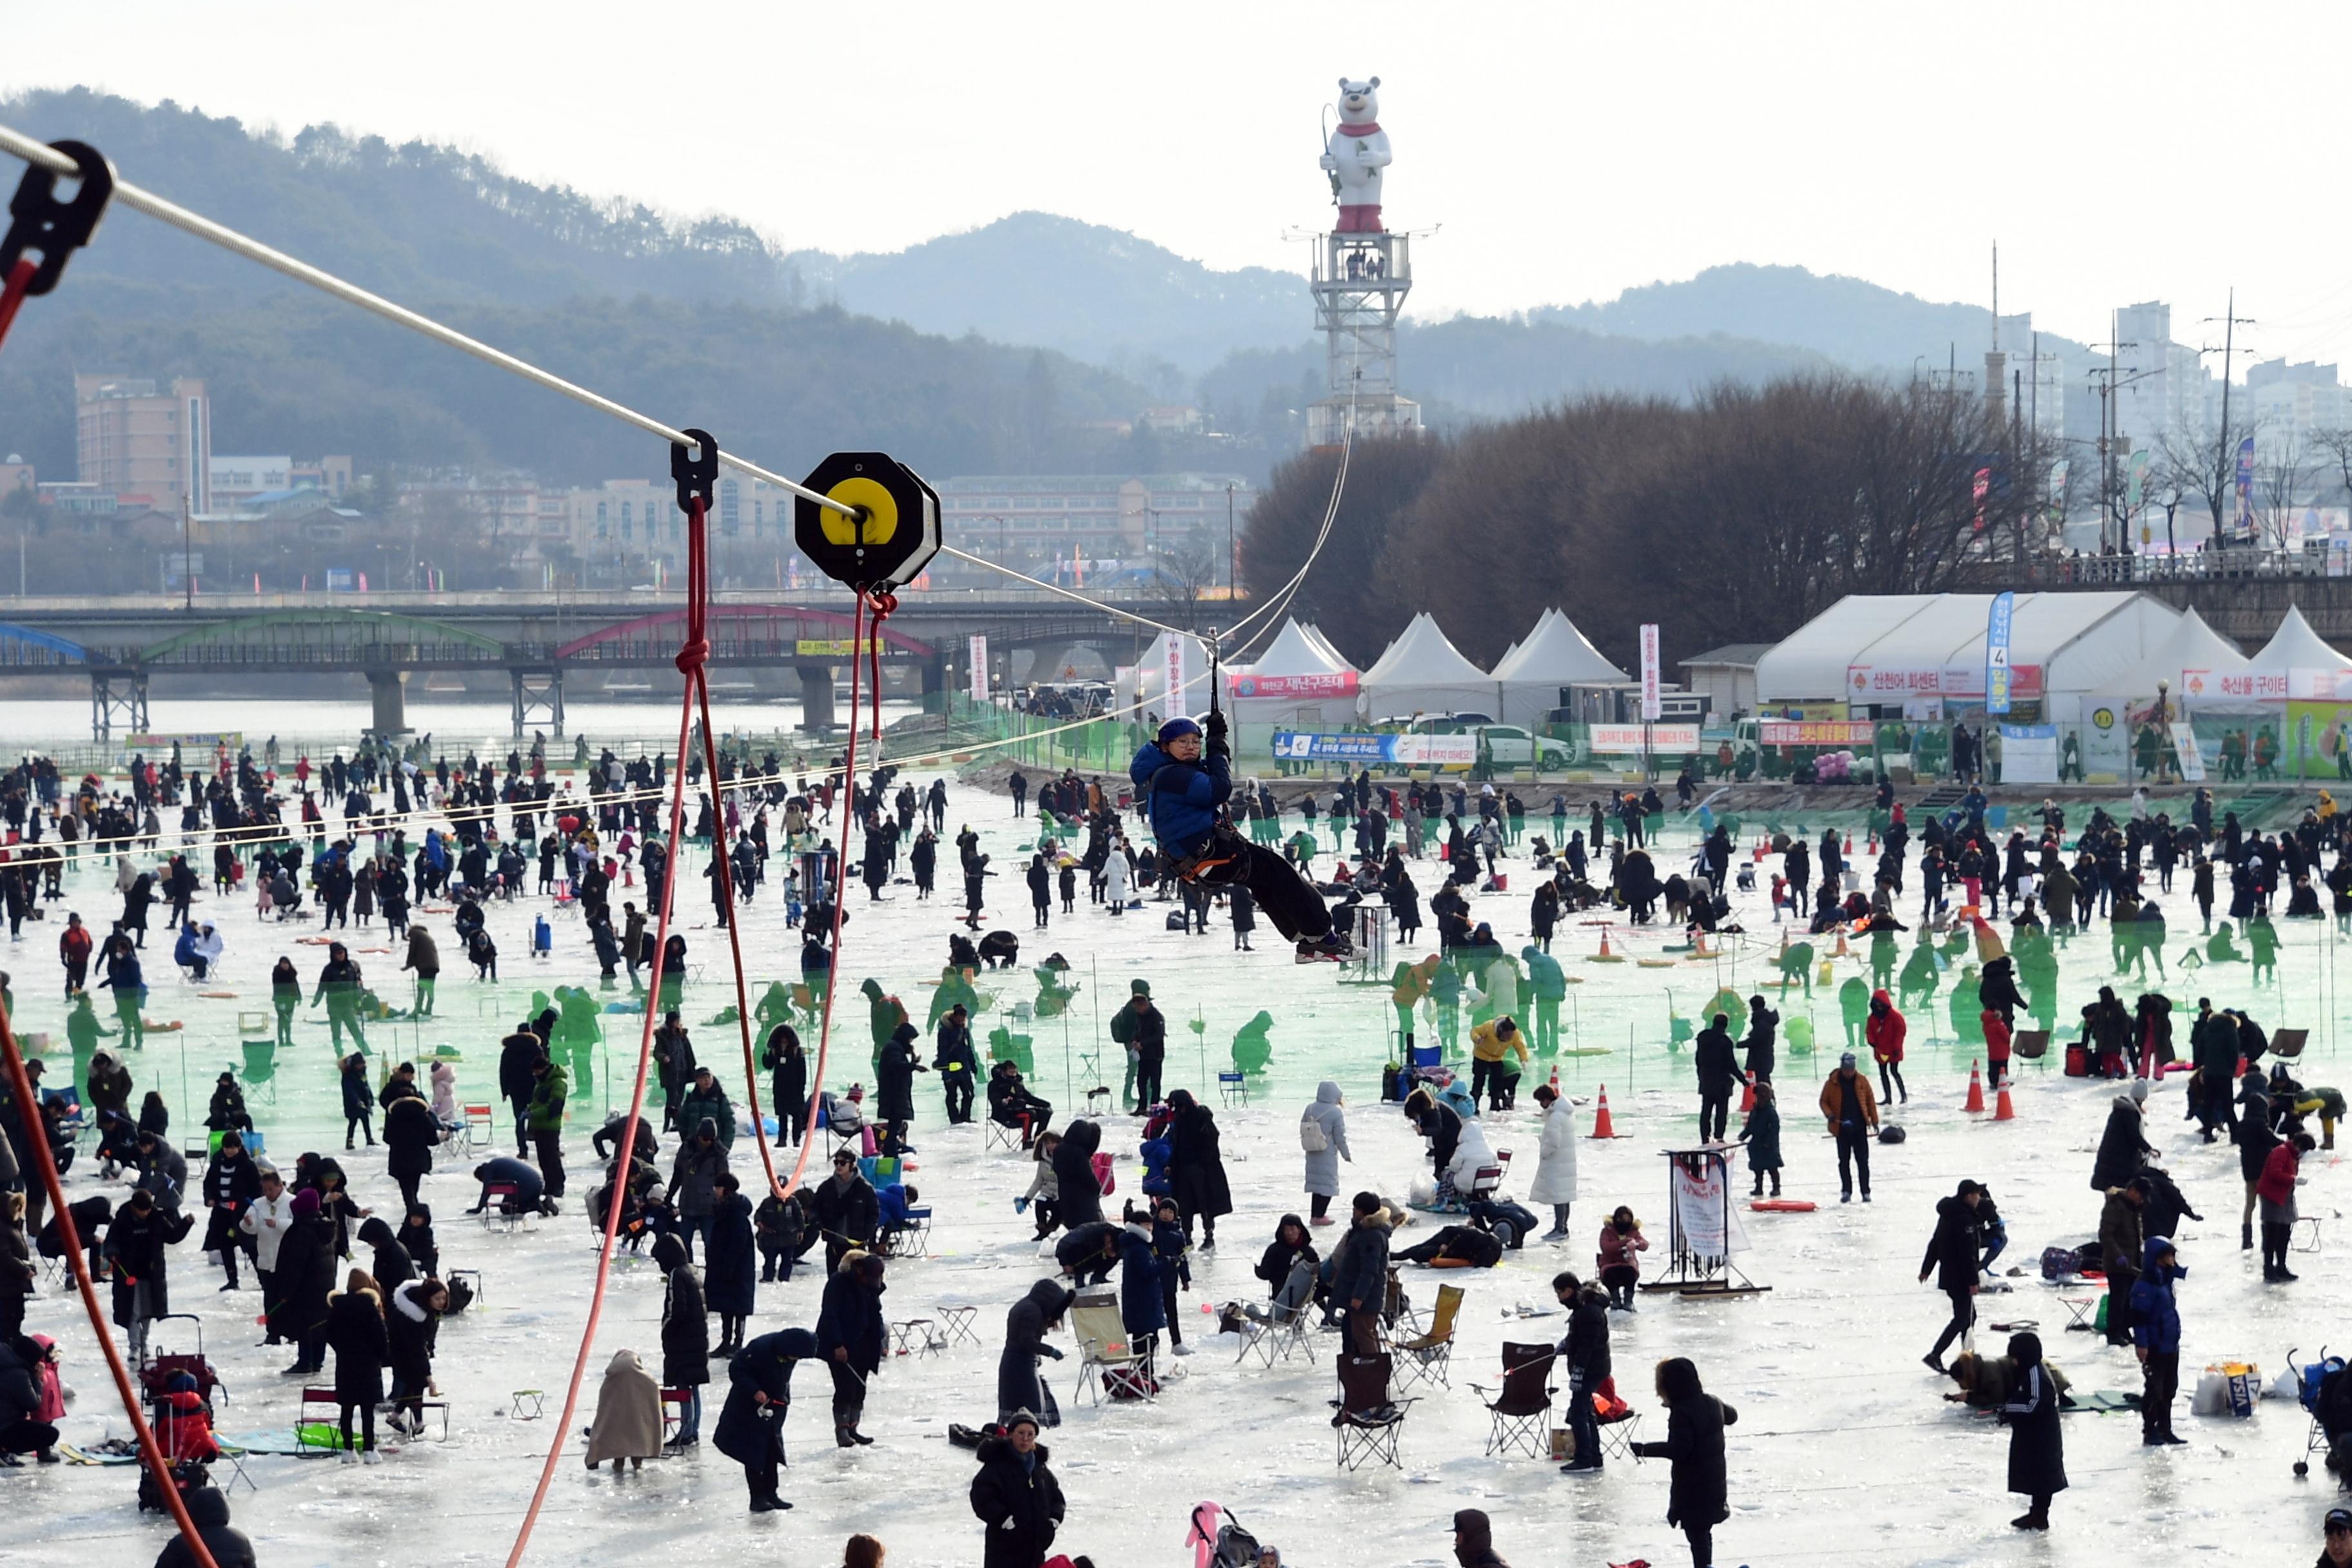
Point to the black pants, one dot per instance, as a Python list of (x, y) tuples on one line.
[(2276, 1239), (366, 1408), (550, 1144), (848, 1393), (959, 1093), (1484, 1076), (28, 1436), (1890, 1091), (1321, 1204), (1853, 1149), (2163, 1371), (1147, 1081), (360, 1123), (1288, 898), (522, 1103), (1702, 1543), (2119, 1312), (408, 1184), (267, 1279), (1964, 1318), (1714, 1114), (797, 1123), (759, 1473)]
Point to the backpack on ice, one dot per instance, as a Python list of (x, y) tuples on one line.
[(1220, 1543)]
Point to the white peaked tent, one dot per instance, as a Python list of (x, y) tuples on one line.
[(1331, 649), (2311, 667), (1296, 651), (1422, 672), (2196, 660), (1553, 655)]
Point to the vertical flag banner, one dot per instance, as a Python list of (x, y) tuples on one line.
[(1650, 706), (1997, 653), (979, 668), (1983, 487), (2246, 487)]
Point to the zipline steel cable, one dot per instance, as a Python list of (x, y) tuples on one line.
[(229, 240), (169, 212)]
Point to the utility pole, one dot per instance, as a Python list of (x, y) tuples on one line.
[(2231, 322), (187, 554), (1233, 577)]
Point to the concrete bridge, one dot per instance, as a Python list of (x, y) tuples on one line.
[(118, 642)]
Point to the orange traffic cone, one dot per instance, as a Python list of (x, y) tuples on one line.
[(1873, 843), (1760, 852), (1976, 1092), (1849, 846), (1842, 950), (1604, 955), (1601, 1127), (1747, 1098), (1555, 1078), (2002, 1108)]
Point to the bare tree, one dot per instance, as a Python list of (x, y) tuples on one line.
[(2283, 476), (2205, 466), (1183, 571), (2333, 448)]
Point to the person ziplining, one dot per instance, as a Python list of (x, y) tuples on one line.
[(1185, 778)]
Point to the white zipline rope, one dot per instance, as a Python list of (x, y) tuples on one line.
[(252, 250), (229, 240)]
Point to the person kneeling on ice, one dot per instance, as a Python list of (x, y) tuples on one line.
[(1184, 785), (530, 1193)]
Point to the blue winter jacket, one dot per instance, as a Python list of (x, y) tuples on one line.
[(2156, 1320), (1181, 799), (1139, 1307)]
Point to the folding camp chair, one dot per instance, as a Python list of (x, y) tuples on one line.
[(157, 1371), (481, 1132), (1521, 1408), (495, 1212), (995, 1135), (1104, 1342), (1430, 1356), (674, 1401), (1278, 1329), (1371, 1419), (1235, 1087), (1615, 1422), (2288, 1043), (318, 1422), (2032, 1045)]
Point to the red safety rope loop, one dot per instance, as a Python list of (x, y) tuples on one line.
[(37, 1134), (11, 293)]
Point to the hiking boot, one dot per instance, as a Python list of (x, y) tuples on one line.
[(2245, 1238), (2033, 1521), (1934, 1363)]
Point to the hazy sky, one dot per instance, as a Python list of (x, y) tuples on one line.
[(1569, 150)]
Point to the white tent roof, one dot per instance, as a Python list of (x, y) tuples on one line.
[(1422, 672), (2195, 646), (2092, 642), (2294, 645), (1295, 651), (1554, 654), (1328, 646), (1811, 663)]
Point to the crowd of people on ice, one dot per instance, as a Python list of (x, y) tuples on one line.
[(377, 1314)]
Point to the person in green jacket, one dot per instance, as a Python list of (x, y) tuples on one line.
[(1548, 983), (1445, 991), (578, 1032), (2262, 937), (706, 1097), (1854, 1008), (1252, 1049), (544, 1120), (884, 1015)]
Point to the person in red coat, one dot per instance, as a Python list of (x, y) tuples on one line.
[(1884, 1031), (1996, 1034), (2275, 1187)]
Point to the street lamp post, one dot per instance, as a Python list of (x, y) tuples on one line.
[(1232, 574)]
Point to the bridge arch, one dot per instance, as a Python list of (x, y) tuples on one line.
[(24, 647)]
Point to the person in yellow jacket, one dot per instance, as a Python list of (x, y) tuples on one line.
[(1490, 1072), (1408, 985)]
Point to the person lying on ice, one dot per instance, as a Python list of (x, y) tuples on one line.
[(1183, 793)]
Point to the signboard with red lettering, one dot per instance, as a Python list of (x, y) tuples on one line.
[(1891, 683), (1309, 688), (1629, 737), (1786, 732)]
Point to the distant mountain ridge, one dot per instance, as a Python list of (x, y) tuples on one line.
[(1092, 293)]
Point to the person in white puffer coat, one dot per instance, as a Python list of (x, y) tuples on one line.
[(1555, 1181)]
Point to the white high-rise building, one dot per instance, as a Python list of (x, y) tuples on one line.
[(2160, 383)]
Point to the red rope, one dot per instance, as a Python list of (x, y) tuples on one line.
[(37, 1134), (690, 660), (840, 885), (11, 293)]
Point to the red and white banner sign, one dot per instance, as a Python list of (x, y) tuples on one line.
[(2236, 685), (1294, 687), (1814, 733), (1893, 683), (1629, 737), (1650, 707), (979, 668)]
